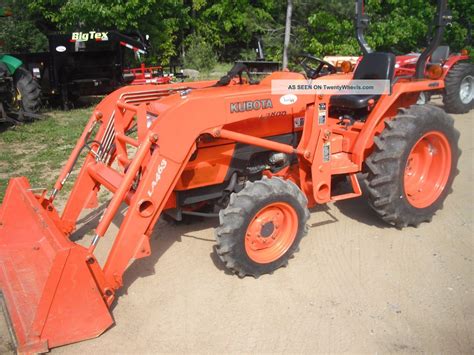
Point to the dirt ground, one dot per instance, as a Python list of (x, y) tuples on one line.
[(357, 286)]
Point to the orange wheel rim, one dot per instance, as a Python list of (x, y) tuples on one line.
[(427, 169), (271, 232)]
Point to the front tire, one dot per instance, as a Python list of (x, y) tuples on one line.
[(261, 227), (459, 88), (413, 165)]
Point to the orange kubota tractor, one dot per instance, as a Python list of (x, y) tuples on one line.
[(229, 147)]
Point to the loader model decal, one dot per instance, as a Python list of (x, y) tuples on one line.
[(86, 36), (159, 172), (243, 106)]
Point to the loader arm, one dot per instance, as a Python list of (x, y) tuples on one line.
[(42, 273)]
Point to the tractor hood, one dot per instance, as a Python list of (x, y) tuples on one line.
[(243, 97)]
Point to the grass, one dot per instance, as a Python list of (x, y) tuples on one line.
[(39, 149)]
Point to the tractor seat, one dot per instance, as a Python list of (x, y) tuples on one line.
[(378, 66)]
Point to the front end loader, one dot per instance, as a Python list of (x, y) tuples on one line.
[(230, 148)]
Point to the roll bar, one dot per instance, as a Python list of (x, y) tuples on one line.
[(442, 19), (361, 24)]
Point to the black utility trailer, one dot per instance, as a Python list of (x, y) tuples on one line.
[(83, 63)]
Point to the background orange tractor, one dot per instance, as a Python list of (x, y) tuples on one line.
[(229, 148)]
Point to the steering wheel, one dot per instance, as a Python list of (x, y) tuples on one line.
[(313, 72)]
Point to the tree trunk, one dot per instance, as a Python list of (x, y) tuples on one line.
[(289, 9)]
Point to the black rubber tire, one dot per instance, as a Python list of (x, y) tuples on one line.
[(386, 164), (452, 101), (29, 89), (242, 208)]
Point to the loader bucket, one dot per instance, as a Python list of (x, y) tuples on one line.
[(49, 293)]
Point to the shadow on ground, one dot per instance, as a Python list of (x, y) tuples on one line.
[(164, 236), (359, 210), (167, 233)]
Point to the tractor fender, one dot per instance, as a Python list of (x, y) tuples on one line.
[(386, 108), (452, 60), (12, 63)]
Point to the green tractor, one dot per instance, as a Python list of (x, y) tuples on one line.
[(20, 93)]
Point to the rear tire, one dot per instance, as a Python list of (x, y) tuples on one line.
[(29, 91), (261, 227), (413, 165), (459, 88)]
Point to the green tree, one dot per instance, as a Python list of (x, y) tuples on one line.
[(69, 15), (160, 19), (229, 28), (199, 54), (18, 33), (398, 26)]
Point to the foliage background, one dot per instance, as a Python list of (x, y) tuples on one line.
[(199, 33)]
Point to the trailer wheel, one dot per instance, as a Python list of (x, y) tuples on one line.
[(459, 88), (28, 98), (413, 165), (262, 227)]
